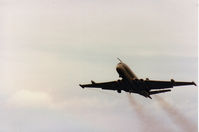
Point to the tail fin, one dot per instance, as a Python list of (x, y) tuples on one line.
[(120, 60)]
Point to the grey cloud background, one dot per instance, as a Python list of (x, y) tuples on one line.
[(49, 47)]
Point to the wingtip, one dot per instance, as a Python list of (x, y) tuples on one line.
[(194, 83), (81, 85)]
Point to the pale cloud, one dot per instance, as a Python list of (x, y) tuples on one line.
[(30, 99), (38, 99), (151, 30)]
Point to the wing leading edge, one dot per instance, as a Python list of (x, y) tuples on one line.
[(152, 84), (112, 85)]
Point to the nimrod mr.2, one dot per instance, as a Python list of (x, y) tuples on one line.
[(130, 83)]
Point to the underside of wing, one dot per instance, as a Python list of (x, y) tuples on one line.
[(112, 85), (152, 84)]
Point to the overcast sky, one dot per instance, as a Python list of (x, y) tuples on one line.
[(48, 47)]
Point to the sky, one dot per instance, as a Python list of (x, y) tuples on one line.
[(49, 47)]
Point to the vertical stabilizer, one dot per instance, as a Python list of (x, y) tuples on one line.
[(120, 60)]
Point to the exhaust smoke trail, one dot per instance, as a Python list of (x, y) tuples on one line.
[(149, 123), (176, 116)]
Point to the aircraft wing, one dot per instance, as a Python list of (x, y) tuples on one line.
[(112, 85), (152, 84)]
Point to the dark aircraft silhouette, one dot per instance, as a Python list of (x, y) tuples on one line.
[(130, 83)]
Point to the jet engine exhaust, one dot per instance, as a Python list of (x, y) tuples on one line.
[(149, 123), (178, 118)]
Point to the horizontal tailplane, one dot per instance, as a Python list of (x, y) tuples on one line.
[(159, 91)]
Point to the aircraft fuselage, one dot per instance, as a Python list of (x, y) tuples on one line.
[(130, 79)]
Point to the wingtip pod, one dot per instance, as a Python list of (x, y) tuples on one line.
[(172, 80), (93, 82)]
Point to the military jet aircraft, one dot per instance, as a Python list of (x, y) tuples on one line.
[(130, 83)]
